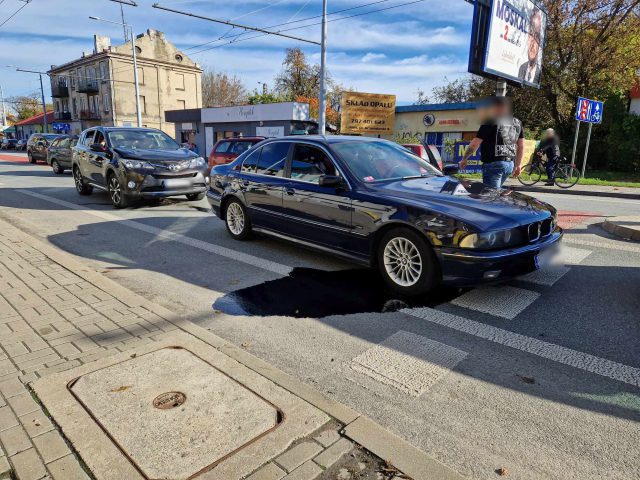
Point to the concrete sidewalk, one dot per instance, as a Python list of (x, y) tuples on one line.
[(629, 193), (627, 227), (60, 321)]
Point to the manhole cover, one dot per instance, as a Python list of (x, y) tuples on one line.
[(168, 400), (172, 413)]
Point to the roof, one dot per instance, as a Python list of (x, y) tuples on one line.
[(435, 107), (36, 119)]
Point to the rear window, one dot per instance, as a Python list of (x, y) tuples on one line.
[(240, 147), (223, 147)]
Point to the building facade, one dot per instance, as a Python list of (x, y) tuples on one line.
[(27, 127), (99, 89)]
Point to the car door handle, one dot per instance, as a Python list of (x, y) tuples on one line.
[(289, 191)]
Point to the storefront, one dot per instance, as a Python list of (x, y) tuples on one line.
[(206, 126), (437, 124)]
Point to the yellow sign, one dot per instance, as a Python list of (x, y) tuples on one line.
[(368, 113)]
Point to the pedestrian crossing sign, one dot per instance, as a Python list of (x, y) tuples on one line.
[(589, 111)]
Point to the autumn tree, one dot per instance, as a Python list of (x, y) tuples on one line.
[(26, 106), (298, 77), (221, 89)]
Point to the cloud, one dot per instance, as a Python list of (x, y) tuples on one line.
[(372, 57)]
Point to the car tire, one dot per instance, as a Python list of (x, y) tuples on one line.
[(192, 197), (237, 220), (56, 167), (81, 187), (407, 262), (116, 193), (30, 157)]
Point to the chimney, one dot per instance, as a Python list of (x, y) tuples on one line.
[(101, 43)]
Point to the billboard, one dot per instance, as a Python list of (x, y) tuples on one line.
[(508, 40), (368, 113), (475, 165)]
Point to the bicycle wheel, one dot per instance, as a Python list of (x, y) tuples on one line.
[(567, 176), (530, 175)]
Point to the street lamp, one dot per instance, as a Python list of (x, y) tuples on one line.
[(44, 104), (135, 63), (322, 120)]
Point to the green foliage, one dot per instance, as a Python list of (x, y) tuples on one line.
[(260, 97), (407, 138), (622, 139)]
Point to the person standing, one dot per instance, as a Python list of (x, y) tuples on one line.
[(502, 138), (550, 147)]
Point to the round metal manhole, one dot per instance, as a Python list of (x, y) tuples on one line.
[(168, 400)]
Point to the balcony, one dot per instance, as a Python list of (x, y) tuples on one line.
[(88, 85), (62, 115), (89, 115), (59, 90)]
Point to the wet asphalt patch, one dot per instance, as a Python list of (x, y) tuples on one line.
[(313, 293)]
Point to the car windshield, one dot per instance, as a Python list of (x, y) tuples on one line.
[(379, 161), (51, 137), (142, 139)]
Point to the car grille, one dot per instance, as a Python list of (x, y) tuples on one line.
[(538, 230), (162, 176)]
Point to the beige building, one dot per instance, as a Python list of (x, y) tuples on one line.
[(98, 88)]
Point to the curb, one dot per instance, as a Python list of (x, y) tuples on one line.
[(373, 437), (627, 233), (570, 191)]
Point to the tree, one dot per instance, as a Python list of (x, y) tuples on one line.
[(264, 97), (220, 89), (298, 78), (26, 106)]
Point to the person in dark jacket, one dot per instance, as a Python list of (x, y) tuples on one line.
[(550, 148)]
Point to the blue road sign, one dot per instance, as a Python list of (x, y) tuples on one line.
[(589, 111)]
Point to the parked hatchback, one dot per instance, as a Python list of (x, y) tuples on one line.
[(59, 153), (38, 145), (8, 144), (227, 150), (133, 163)]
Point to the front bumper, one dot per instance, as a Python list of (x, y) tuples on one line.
[(154, 185), (468, 268), (214, 200)]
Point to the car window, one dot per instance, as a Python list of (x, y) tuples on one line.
[(51, 137), (99, 138), (272, 159), (88, 138), (63, 142), (134, 139), (73, 143), (223, 147), (309, 163), (55, 143), (240, 147), (250, 162)]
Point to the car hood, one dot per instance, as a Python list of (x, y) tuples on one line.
[(156, 156), (471, 202)]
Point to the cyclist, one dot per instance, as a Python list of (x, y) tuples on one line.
[(550, 148)]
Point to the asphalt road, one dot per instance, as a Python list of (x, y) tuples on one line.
[(540, 376)]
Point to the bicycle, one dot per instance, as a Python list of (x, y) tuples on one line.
[(567, 175)]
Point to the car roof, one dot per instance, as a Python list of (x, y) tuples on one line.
[(242, 139), (330, 139)]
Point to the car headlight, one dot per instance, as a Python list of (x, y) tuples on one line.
[(137, 164), (489, 240), (198, 163)]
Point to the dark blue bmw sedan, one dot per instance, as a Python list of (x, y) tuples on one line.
[(377, 204)]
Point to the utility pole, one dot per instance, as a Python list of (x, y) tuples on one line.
[(322, 120), (4, 108), (44, 106), (124, 28)]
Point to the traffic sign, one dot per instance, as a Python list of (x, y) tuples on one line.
[(589, 111)]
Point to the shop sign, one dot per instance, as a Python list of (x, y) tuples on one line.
[(368, 113)]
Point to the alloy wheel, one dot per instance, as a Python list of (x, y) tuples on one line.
[(402, 261), (235, 218), (115, 190), (77, 178)]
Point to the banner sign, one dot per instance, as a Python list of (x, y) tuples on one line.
[(589, 111), (368, 113)]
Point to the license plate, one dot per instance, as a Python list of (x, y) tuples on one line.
[(176, 184), (545, 258)]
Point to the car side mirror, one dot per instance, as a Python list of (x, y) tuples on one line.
[(451, 169), (330, 181), (98, 147)]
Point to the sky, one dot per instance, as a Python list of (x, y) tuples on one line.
[(398, 51)]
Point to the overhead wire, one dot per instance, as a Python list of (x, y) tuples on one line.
[(26, 2)]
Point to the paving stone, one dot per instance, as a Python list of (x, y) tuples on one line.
[(36, 423), (297, 455), (6, 367), (67, 468), (23, 404), (269, 472), (5, 468), (28, 466), (51, 446), (14, 440), (327, 438), (7, 418), (307, 471), (332, 454)]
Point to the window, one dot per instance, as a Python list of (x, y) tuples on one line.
[(182, 104), (272, 159), (223, 147), (137, 139), (75, 107), (143, 104), (104, 75), (179, 58), (249, 164), (240, 147), (99, 138), (309, 163), (179, 81), (62, 142), (56, 143), (140, 76), (105, 102), (72, 74), (88, 138)]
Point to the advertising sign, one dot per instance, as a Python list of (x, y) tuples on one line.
[(516, 41), (589, 111), (368, 113), (270, 132), (475, 166)]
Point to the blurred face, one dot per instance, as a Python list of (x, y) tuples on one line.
[(535, 33)]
